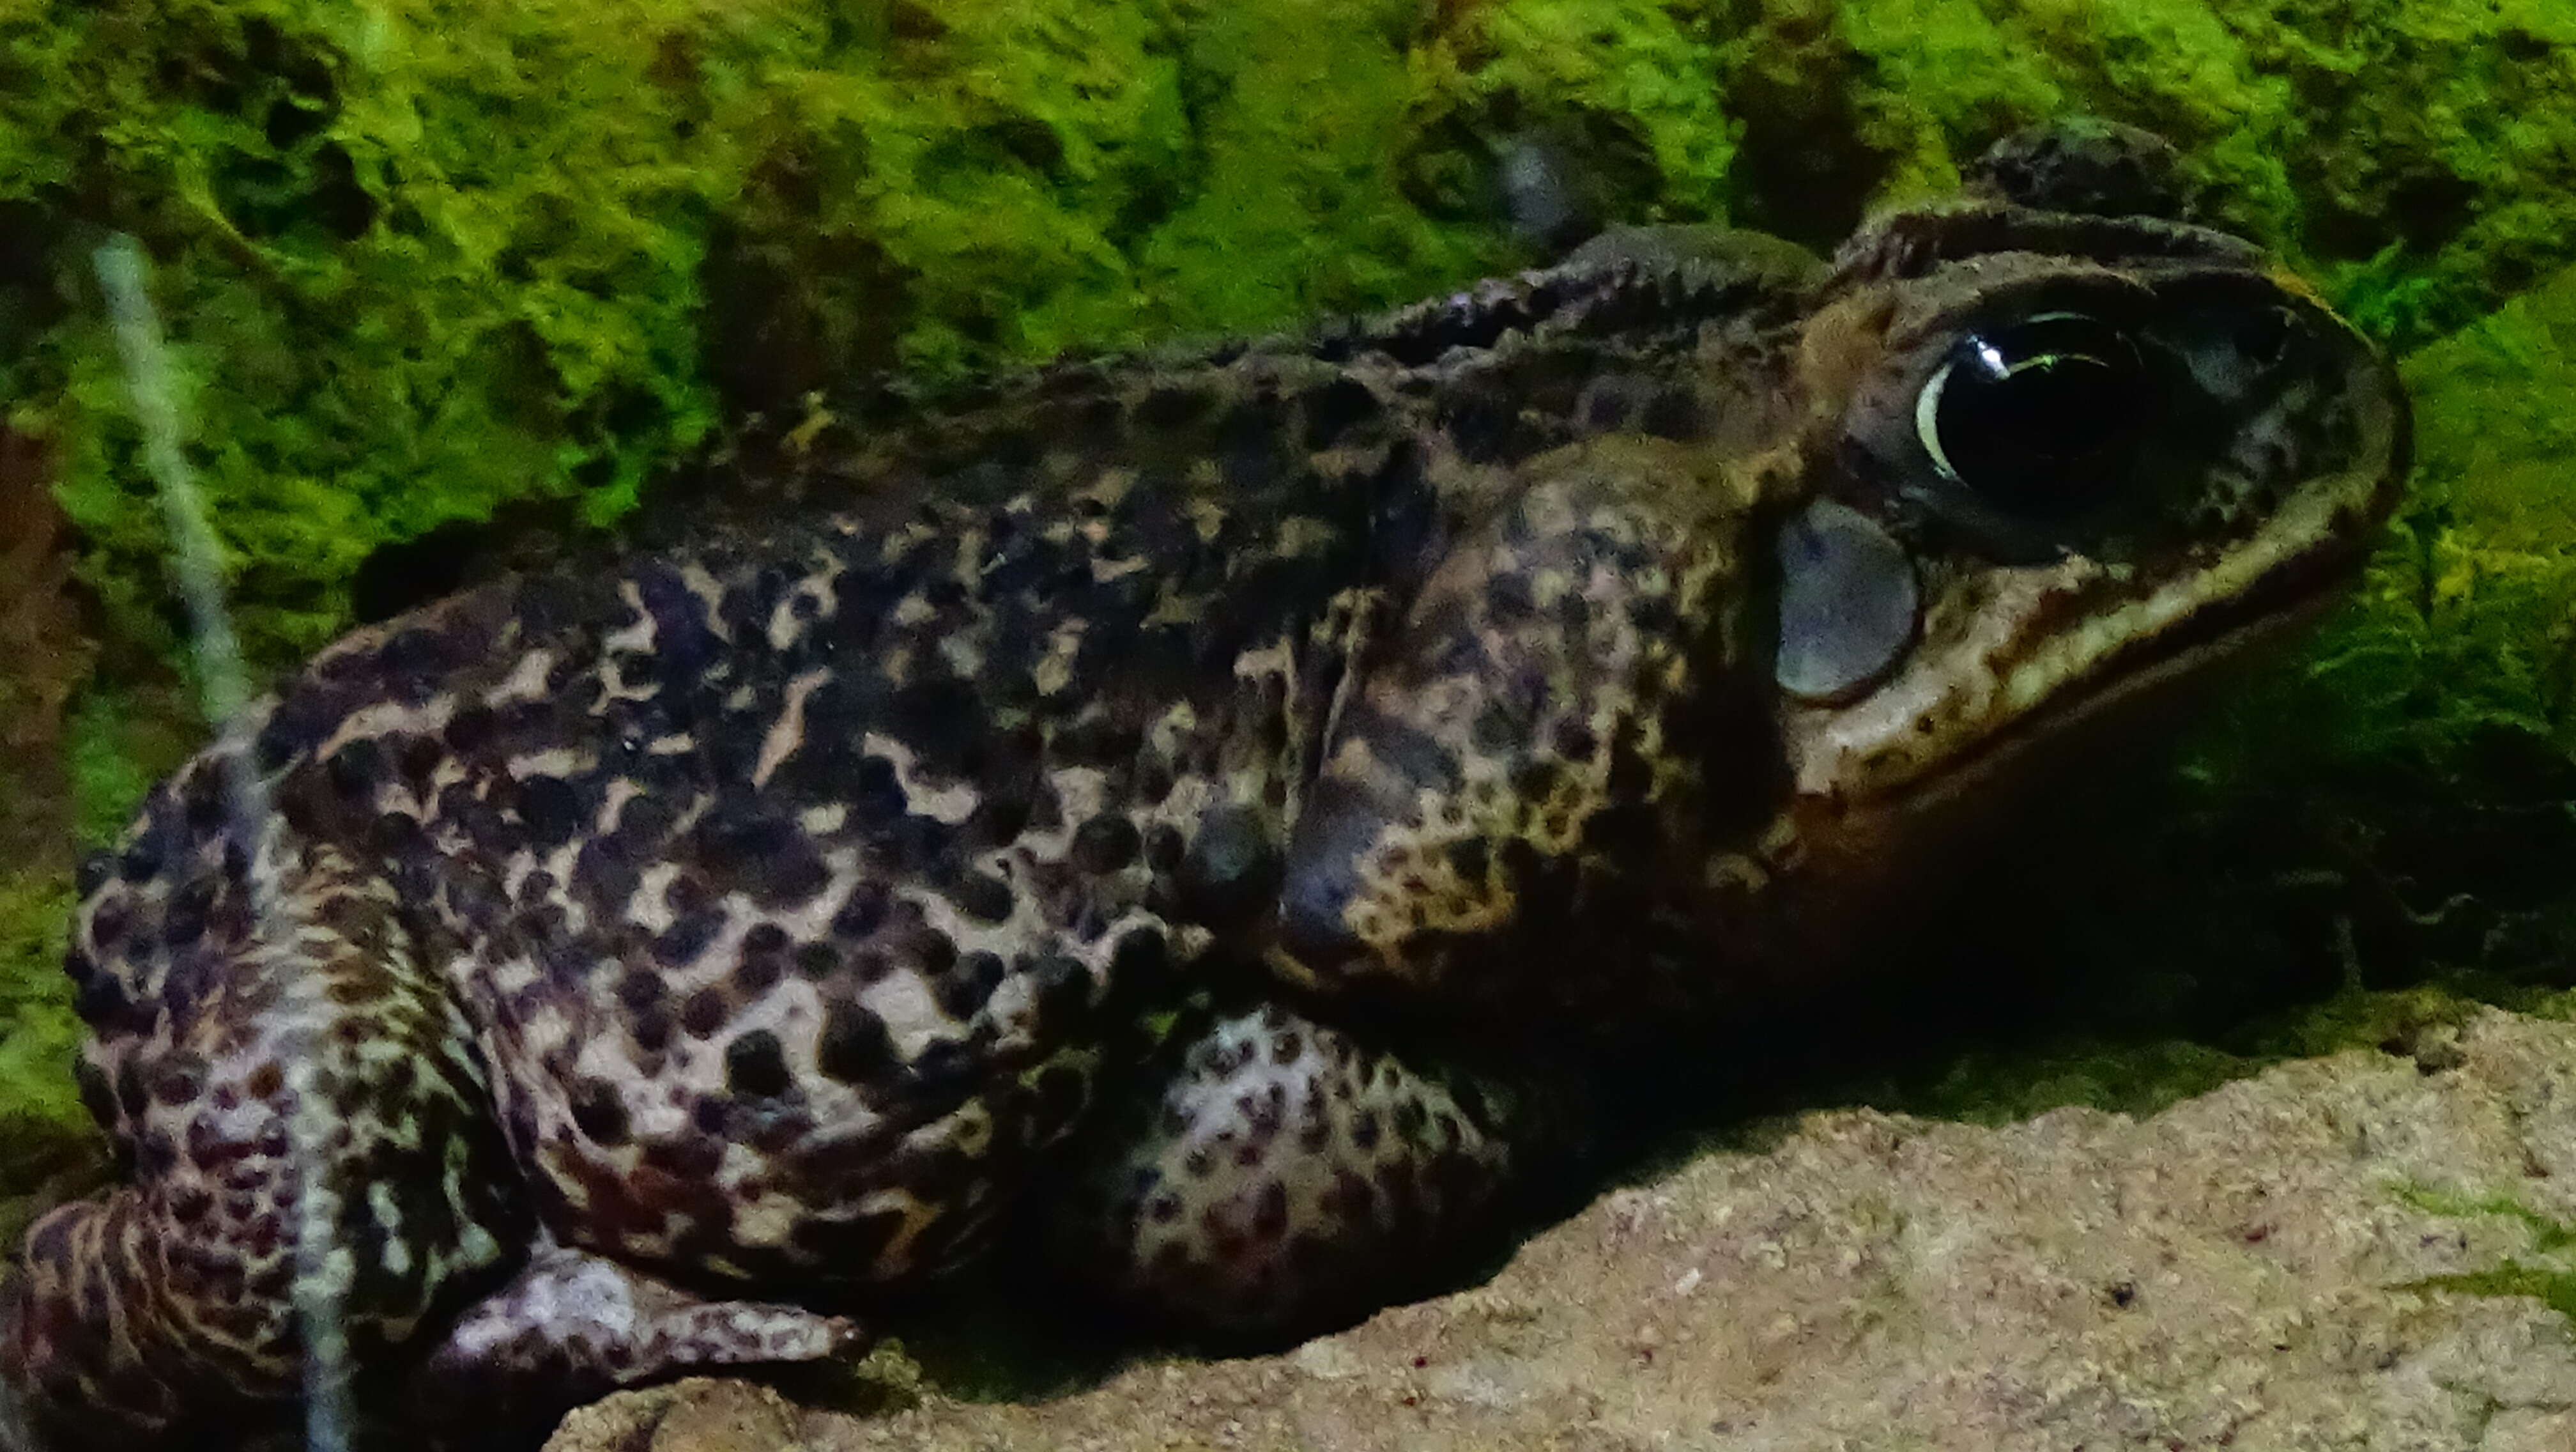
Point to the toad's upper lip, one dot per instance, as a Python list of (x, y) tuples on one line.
[(2295, 594), (2297, 591)]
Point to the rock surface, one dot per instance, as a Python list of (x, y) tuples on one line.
[(2243, 1270)]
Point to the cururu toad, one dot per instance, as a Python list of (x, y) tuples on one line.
[(1219, 796)]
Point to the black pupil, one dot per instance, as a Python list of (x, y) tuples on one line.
[(2035, 414)]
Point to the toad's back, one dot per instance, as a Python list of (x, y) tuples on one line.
[(776, 876)]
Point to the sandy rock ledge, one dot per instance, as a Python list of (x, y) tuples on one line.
[(2238, 1271)]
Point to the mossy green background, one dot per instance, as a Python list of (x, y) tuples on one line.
[(423, 258)]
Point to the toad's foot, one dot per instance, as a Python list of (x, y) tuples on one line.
[(1290, 1174), (572, 1326)]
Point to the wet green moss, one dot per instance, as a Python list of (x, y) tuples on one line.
[(115, 744), (421, 263), (43, 1129), (2414, 156), (2431, 734), (425, 259)]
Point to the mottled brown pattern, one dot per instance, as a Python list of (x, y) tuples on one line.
[(768, 904)]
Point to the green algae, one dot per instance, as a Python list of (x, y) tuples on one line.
[(2547, 1274)]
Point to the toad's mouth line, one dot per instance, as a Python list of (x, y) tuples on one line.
[(2296, 594)]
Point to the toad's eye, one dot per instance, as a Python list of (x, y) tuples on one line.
[(2035, 415)]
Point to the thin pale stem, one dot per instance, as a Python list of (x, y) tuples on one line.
[(223, 683)]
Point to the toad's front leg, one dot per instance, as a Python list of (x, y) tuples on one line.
[(570, 1326), (1488, 830), (1288, 1174), (1513, 792)]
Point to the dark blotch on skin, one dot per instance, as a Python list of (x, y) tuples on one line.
[(202, 796), (947, 1070), (357, 768), (419, 756), (760, 851), (1105, 844), (1062, 1092), (1099, 742), (705, 1013), (1247, 445), (854, 1046), (1482, 426), (999, 818), (755, 1065), (1062, 991), (552, 809), (1335, 408), (599, 1112), (1365, 1130), (1141, 954), (1270, 1214), (1674, 413), (1472, 859), (180, 1081), (301, 721), (943, 721), (469, 730), (183, 922), (876, 797), (1166, 409), (982, 896), (1232, 867), (862, 912), (965, 988), (690, 1157), (758, 972), (651, 1030), (688, 937)]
